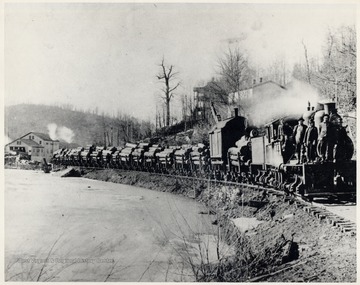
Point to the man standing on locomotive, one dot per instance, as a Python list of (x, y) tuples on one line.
[(299, 135), (310, 141), (327, 139), (284, 134)]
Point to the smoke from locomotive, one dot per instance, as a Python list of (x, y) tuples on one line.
[(292, 101)]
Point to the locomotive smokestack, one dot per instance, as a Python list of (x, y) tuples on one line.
[(236, 111)]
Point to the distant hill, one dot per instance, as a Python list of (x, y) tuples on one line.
[(74, 127)]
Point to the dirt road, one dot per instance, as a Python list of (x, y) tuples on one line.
[(75, 229)]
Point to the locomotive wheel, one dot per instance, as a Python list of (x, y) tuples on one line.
[(276, 184), (257, 177), (294, 184), (300, 188), (270, 181), (282, 186)]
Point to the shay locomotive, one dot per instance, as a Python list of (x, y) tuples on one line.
[(239, 153), (319, 168)]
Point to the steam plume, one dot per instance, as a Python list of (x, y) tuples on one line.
[(62, 133), (292, 101), (6, 140)]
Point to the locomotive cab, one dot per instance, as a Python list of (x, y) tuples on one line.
[(271, 150), (222, 137)]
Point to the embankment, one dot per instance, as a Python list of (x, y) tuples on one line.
[(285, 244)]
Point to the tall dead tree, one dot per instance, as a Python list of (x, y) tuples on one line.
[(307, 63), (167, 75), (234, 70)]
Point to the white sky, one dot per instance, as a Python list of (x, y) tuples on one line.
[(107, 55)]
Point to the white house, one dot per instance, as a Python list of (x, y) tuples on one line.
[(37, 145)]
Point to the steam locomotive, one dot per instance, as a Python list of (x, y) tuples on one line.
[(263, 159), (240, 153)]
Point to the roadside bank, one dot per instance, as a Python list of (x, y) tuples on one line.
[(274, 240)]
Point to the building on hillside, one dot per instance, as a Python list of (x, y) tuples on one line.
[(257, 92), (211, 96), (37, 145), (207, 98)]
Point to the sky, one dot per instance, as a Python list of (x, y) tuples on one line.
[(108, 55)]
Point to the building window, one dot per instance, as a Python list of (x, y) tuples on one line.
[(11, 148), (47, 143), (29, 150), (39, 142)]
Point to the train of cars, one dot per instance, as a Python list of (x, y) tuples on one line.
[(239, 153)]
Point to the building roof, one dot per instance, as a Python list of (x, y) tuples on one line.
[(262, 83), (43, 136), (31, 143)]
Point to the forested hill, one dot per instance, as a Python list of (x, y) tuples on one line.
[(73, 126)]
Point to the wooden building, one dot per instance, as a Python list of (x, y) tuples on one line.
[(37, 145)]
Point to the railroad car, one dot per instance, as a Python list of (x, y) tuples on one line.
[(107, 155), (200, 160), (115, 158), (165, 159), (138, 155), (125, 156), (96, 156), (182, 164), (150, 158)]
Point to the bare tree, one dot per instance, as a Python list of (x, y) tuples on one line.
[(339, 68), (307, 63), (234, 73), (278, 71), (166, 75), (234, 70), (335, 75)]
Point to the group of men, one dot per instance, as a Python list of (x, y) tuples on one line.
[(306, 139)]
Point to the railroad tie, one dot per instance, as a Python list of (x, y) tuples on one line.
[(321, 215), (350, 232), (334, 220), (314, 212), (347, 228)]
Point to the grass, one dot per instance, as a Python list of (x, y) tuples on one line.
[(226, 255)]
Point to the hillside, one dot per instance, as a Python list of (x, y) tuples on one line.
[(71, 126)]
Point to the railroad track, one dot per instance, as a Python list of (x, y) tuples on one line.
[(321, 213)]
